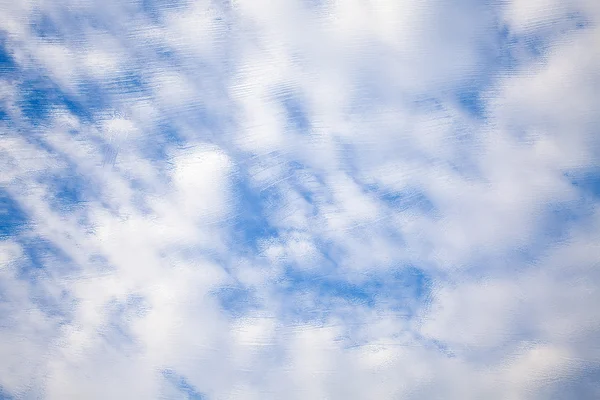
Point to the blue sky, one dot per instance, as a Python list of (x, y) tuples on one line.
[(299, 199)]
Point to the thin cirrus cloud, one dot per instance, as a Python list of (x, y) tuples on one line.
[(357, 200)]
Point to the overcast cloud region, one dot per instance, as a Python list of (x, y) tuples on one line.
[(300, 199)]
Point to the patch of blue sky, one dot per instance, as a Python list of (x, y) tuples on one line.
[(579, 20), (94, 97), (12, 217), (155, 9), (409, 200), (524, 47), (555, 222), (41, 253), (181, 383), (311, 295), (495, 57), (253, 223), (325, 288), (4, 395), (466, 92), (470, 99), (127, 82), (236, 301), (587, 181), (65, 25), (332, 255), (40, 97), (249, 230), (207, 126), (7, 63), (533, 44), (37, 99), (298, 174), (42, 266), (296, 113), (506, 56), (68, 190), (46, 28), (469, 94), (574, 20), (58, 306), (157, 144), (558, 219)]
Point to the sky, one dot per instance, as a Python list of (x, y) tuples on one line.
[(300, 199)]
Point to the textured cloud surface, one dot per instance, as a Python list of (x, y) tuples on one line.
[(249, 199)]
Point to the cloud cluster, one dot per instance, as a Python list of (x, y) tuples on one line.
[(306, 199)]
